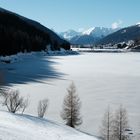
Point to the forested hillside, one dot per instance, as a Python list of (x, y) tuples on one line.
[(19, 34)]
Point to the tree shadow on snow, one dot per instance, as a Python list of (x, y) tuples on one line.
[(31, 69)]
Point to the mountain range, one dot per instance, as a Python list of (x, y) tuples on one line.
[(89, 36), (102, 35)]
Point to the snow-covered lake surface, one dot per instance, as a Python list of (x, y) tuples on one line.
[(101, 79)]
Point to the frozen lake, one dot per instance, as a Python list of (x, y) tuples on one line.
[(101, 79)]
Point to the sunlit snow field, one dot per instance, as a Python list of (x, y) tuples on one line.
[(102, 80)]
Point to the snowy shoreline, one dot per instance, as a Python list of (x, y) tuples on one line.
[(20, 56), (89, 50), (75, 51)]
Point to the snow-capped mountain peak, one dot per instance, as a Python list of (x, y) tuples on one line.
[(138, 24), (99, 31), (89, 31), (69, 34), (89, 36)]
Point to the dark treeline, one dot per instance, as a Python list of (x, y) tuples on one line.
[(18, 35)]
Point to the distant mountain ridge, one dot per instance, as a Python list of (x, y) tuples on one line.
[(101, 35), (69, 34), (18, 33), (122, 35), (89, 36)]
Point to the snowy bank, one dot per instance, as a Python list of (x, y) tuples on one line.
[(21, 56), (25, 127), (89, 50)]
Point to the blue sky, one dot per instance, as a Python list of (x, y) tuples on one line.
[(62, 15)]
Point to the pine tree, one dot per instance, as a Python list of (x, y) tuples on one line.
[(71, 108)]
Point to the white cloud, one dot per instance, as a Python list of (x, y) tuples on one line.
[(116, 24)]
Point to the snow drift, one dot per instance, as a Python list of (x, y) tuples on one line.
[(25, 127)]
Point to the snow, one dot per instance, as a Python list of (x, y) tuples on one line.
[(124, 31), (93, 31), (99, 31), (96, 50), (88, 32), (25, 127), (21, 56), (101, 79), (69, 34), (138, 24)]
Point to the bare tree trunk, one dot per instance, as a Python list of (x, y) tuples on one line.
[(120, 124), (106, 128), (108, 132), (42, 107)]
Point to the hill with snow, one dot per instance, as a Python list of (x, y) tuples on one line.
[(89, 36), (68, 35), (122, 35), (99, 31), (25, 127)]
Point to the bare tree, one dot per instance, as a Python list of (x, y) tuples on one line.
[(107, 123), (120, 124), (42, 107), (26, 103), (13, 101), (71, 108)]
